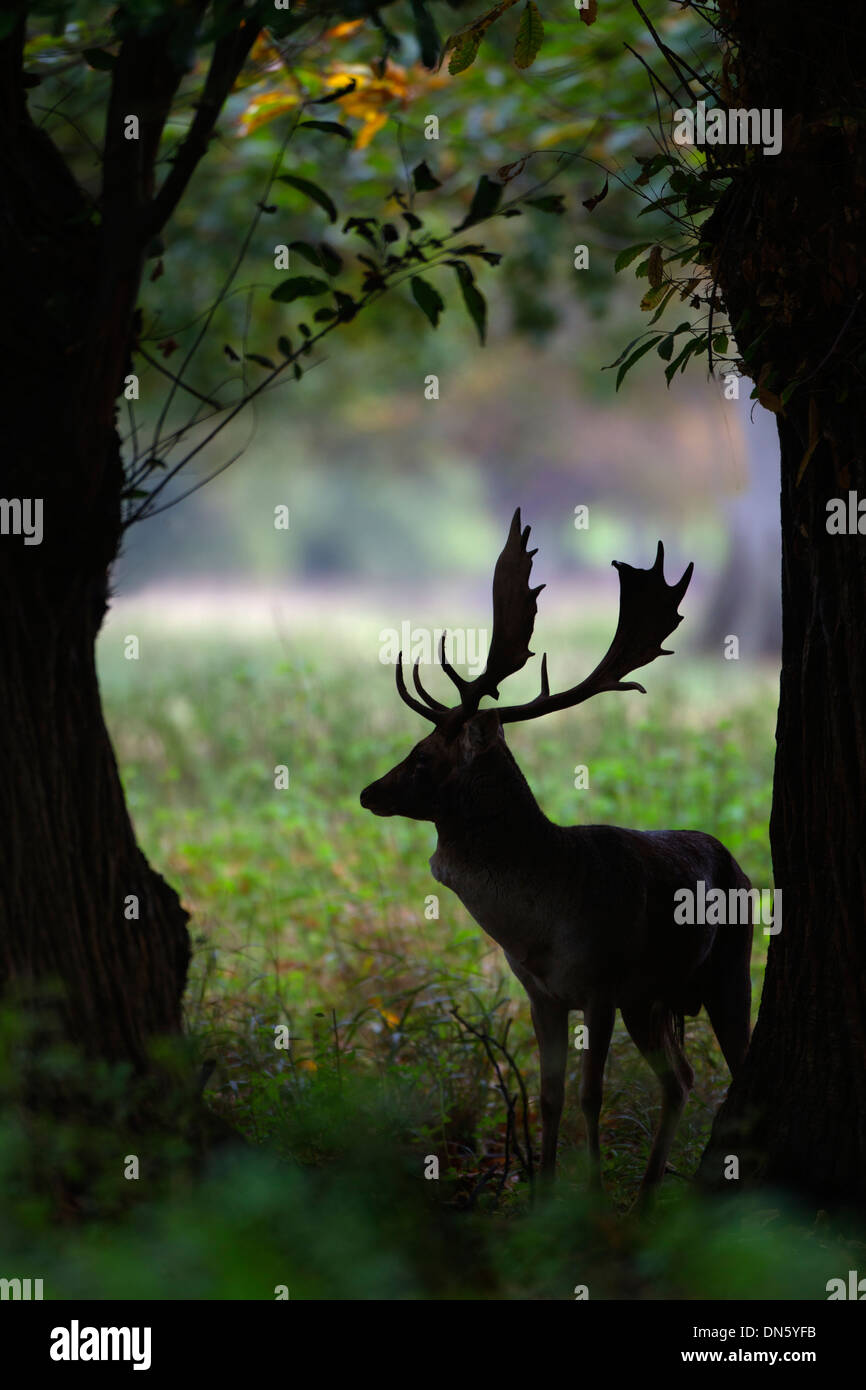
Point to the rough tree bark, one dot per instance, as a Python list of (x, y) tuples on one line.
[(789, 253), (68, 856), (69, 861)]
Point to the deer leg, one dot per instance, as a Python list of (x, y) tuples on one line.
[(651, 1029), (599, 1018), (550, 1021)]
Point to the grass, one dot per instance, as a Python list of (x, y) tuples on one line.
[(308, 915), (308, 912)]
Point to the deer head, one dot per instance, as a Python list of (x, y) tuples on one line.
[(432, 781)]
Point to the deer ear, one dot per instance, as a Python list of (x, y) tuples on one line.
[(481, 731)]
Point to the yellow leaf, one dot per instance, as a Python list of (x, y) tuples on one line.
[(343, 31), (266, 107), (371, 94), (372, 125)]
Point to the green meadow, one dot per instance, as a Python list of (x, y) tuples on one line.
[(312, 927)]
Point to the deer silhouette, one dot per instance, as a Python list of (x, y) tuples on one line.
[(585, 914)]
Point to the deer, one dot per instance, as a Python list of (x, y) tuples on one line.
[(584, 913)]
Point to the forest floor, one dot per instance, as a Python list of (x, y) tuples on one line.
[(323, 987)]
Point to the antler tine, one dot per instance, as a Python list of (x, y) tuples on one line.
[(647, 615), (427, 712), (462, 685), (434, 704), (542, 694)]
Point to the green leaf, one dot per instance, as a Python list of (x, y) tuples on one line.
[(311, 190), (331, 263), (635, 357), (476, 304), (485, 201), (465, 51), (681, 359), (671, 291), (299, 287), (720, 343), (427, 34), (550, 202), (422, 178), (530, 33), (666, 347), (491, 257), (626, 257), (308, 252), (624, 354), (362, 226), (346, 306), (427, 298), (652, 165), (328, 127), (260, 360), (284, 345)]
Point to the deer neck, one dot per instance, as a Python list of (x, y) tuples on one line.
[(490, 841)]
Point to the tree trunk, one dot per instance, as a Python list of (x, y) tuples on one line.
[(80, 905), (84, 920), (789, 256), (796, 1115), (81, 911)]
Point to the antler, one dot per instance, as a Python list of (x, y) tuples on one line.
[(647, 615), (514, 609), (431, 709)]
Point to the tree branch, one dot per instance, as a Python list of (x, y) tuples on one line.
[(229, 55)]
